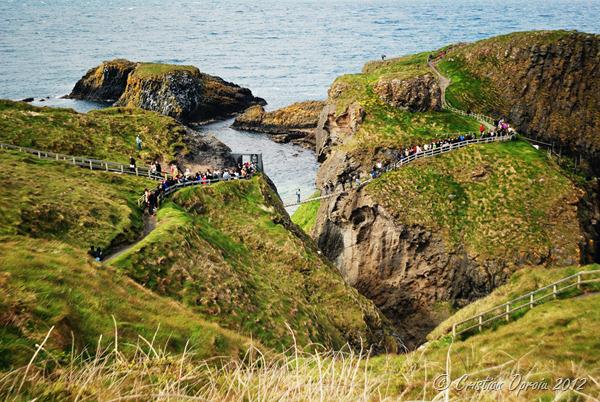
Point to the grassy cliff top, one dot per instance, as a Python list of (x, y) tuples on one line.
[(104, 134), (495, 200), (149, 70), (387, 126), (230, 252)]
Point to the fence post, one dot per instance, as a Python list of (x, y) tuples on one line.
[(39, 154), (136, 171), (531, 300), (73, 160), (579, 280), (480, 319), (91, 166), (106, 164), (121, 168), (554, 291), (507, 316), (56, 156)]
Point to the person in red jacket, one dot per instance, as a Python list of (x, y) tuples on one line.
[(481, 129)]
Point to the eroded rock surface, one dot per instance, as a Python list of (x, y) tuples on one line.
[(417, 94)]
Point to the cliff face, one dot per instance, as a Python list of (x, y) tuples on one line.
[(440, 234), (444, 231), (182, 92), (546, 83), (104, 83), (417, 94), (295, 123)]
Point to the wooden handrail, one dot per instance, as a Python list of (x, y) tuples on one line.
[(503, 311)]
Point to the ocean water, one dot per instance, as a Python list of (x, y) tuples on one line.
[(284, 50)]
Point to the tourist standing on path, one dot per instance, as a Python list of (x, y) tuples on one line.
[(132, 164), (138, 142), (298, 195), (481, 129)]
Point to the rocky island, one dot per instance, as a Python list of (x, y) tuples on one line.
[(182, 92), (295, 123)]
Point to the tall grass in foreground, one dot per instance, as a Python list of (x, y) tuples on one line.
[(151, 374)]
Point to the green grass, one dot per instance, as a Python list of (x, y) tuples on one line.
[(104, 134), (306, 214), (229, 252), (495, 200), (49, 283), (148, 70), (520, 283), (553, 340), (57, 201)]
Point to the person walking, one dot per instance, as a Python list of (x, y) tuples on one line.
[(298, 196), (481, 130), (138, 142)]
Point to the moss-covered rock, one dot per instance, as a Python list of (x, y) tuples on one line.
[(182, 92), (295, 123)]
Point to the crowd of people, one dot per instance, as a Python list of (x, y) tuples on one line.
[(349, 180), (174, 177)]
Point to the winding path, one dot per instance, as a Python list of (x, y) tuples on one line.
[(149, 226)]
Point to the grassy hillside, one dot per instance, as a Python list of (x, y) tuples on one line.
[(104, 134), (515, 76), (56, 201), (554, 340), (48, 284), (496, 200), (384, 125), (306, 214), (230, 252), (50, 214), (558, 339)]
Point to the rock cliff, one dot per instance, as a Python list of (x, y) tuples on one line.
[(546, 83), (182, 92), (295, 123), (442, 232), (417, 94)]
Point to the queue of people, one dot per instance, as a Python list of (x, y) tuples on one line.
[(152, 197), (349, 180)]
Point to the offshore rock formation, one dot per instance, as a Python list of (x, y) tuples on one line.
[(182, 92), (295, 123), (417, 94)]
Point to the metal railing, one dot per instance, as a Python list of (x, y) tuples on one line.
[(88, 163), (190, 183), (411, 158), (503, 312)]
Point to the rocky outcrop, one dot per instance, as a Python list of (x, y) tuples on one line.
[(206, 152), (416, 94), (397, 246), (182, 92), (295, 123), (104, 83)]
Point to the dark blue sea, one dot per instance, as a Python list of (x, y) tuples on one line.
[(284, 50)]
